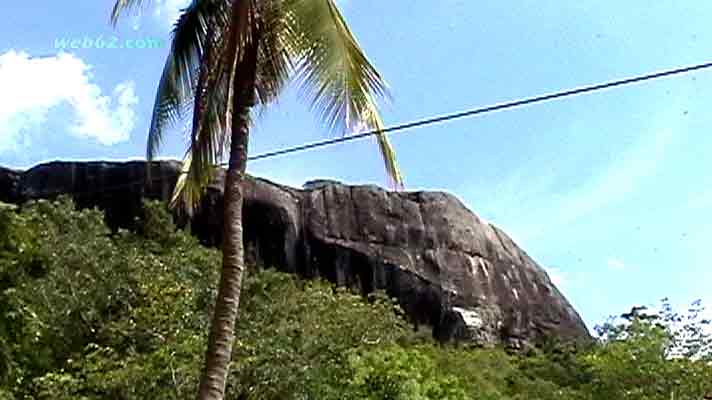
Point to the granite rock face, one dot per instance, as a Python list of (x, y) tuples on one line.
[(449, 270)]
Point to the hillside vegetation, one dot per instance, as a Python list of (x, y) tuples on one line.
[(86, 313)]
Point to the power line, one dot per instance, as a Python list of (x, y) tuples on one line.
[(442, 118), (484, 110)]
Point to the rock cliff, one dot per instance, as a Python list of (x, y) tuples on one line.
[(449, 270)]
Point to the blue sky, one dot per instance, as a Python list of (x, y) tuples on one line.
[(610, 192)]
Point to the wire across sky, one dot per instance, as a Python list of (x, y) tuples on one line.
[(486, 109), (459, 115)]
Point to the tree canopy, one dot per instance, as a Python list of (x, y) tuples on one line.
[(87, 313)]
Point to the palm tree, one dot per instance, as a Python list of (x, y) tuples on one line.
[(226, 57)]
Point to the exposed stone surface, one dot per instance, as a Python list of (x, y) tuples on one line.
[(448, 269), (10, 185)]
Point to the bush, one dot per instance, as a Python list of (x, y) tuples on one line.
[(95, 315), (90, 314)]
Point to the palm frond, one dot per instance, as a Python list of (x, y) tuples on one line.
[(209, 109), (123, 6), (333, 69), (274, 61), (191, 184), (387, 152), (176, 87), (213, 97)]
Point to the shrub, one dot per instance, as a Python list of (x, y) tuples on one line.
[(90, 314)]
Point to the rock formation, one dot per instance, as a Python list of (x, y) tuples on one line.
[(449, 270)]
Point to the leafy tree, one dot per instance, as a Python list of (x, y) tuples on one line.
[(90, 314), (648, 355), (690, 332), (228, 56), (299, 336), (395, 373), (79, 304), (125, 315)]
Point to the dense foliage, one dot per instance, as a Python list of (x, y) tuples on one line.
[(86, 313)]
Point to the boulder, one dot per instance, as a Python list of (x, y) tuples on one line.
[(449, 270)]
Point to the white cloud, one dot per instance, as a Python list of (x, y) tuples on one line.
[(615, 263), (34, 86)]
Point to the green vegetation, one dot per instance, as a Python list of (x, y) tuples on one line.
[(90, 314)]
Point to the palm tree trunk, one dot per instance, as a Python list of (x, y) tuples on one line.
[(222, 331)]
